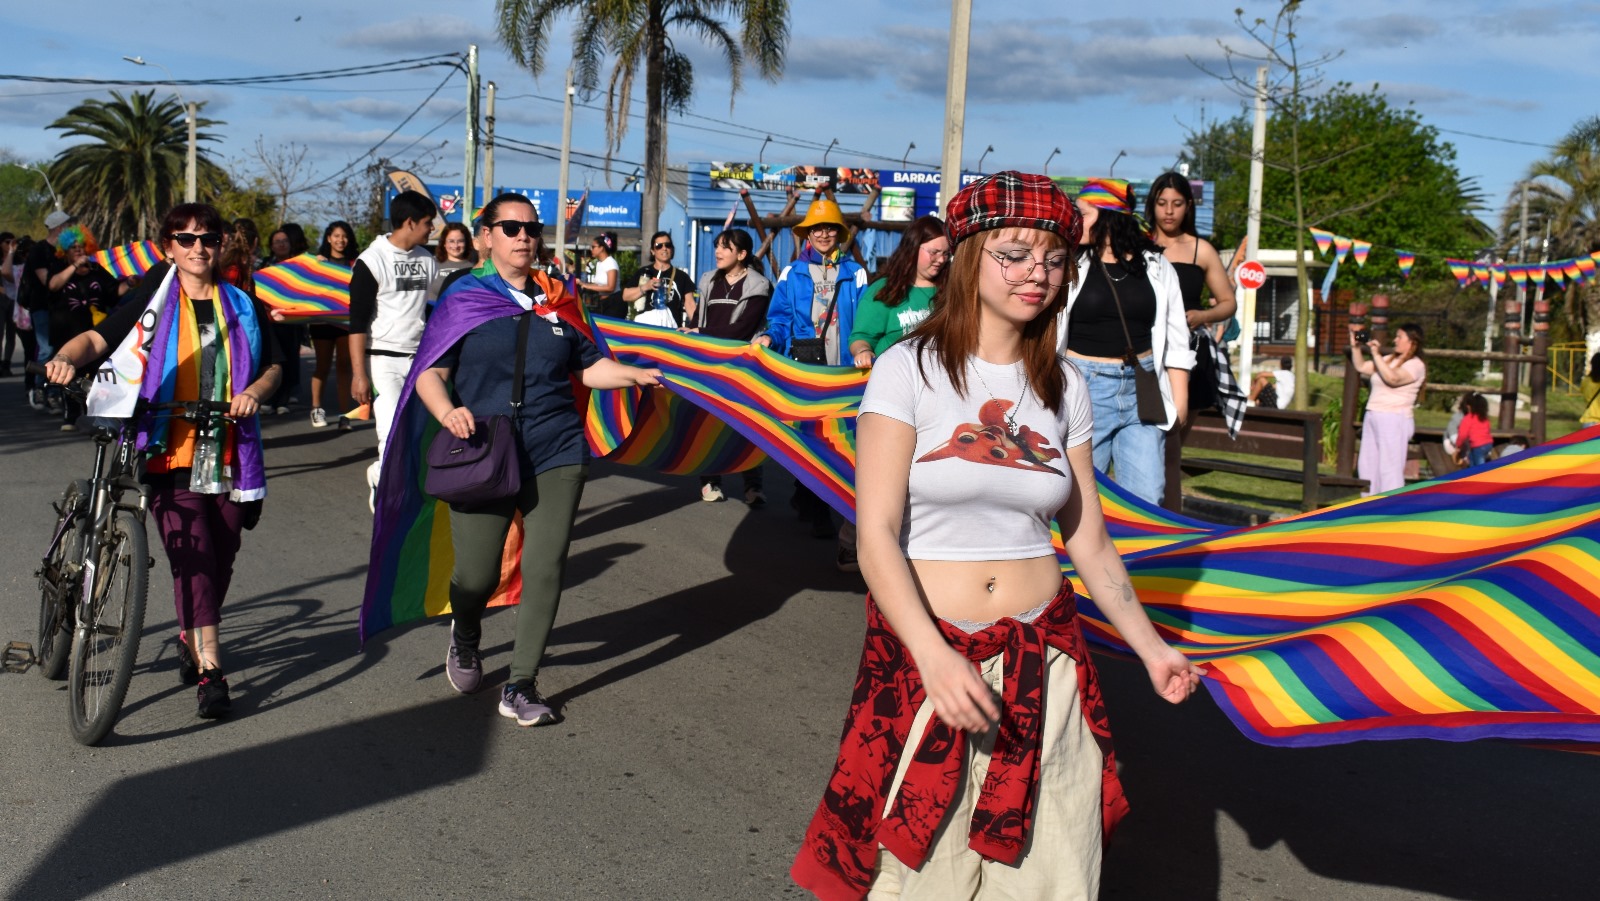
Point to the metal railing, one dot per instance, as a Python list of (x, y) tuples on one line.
[(1569, 363)]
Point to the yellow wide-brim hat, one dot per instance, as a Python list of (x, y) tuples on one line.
[(822, 210)]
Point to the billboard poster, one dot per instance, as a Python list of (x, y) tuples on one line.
[(602, 209), (840, 179)]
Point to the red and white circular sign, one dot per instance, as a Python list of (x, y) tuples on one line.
[(1252, 275)]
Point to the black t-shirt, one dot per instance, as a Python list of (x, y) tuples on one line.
[(549, 429), (678, 286), (728, 300), (38, 296), (94, 289), (1094, 329)]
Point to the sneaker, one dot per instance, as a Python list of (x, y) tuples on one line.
[(36, 399), (710, 493), (846, 561), (754, 497), (69, 427), (319, 418), (822, 525), (344, 423), (281, 410), (463, 666), (523, 703), (213, 695), (188, 670)]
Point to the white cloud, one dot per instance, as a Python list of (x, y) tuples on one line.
[(419, 34)]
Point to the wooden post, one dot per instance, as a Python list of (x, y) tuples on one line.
[(1511, 328), (1345, 463), (850, 237), (1538, 373), (765, 250)]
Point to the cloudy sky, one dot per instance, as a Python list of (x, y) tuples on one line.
[(1043, 75)]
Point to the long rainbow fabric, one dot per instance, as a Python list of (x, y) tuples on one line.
[(656, 429), (305, 287), (1458, 609), (129, 260)]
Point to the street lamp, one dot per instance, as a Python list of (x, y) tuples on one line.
[(1113, 170), (830, 147), (54, 197), (763, 150), (986, 151), (907, 155), (1047, 160), (191, 114)]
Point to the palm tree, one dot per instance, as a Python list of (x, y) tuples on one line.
[(631, 31), (132, 169), (1564, 201)]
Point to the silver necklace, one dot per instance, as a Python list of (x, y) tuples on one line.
[(1011, 417)]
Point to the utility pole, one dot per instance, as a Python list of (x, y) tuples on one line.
[(1252, 240), (488, 148), (469, 172), (190, 177), (955, 101), (566, 159)]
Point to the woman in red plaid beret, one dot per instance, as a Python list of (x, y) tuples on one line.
[(976, 760)]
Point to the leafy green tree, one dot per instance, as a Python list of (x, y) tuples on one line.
[(1564, 202), (631, 32), (24, 199), (131, 171)]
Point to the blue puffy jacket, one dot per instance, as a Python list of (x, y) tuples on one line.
[(789, 315)]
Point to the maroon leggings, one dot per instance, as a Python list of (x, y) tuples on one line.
[(201, 533)]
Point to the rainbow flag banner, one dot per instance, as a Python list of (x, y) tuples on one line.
[(1406, 260), (305, 287), (129, 260), (1461, 269), (1341, 247), (1360, 249), (1323, 238), (1518, 274), (1458, 609), (1586, 268)]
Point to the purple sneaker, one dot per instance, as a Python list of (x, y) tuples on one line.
[(463, 666), (524, 704)]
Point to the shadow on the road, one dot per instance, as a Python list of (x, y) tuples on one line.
[(198, 807), (292, 469), (274, 641), (1477, 820)]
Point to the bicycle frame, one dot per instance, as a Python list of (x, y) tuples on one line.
[(106, 492)]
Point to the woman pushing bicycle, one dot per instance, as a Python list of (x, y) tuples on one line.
[(196, 338)]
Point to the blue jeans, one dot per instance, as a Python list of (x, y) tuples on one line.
[(1130, 451), (47, 349), (1477, 456)]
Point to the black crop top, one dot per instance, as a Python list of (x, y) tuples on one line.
[(1093, 330)]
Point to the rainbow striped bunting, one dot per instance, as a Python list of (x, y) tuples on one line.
[(1341, 247), (1461, 269), (1406, 260), (1518, 274), (129, 260), (1360, 249), (1323, 238), (305, 287)]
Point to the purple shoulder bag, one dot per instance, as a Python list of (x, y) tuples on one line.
[(483, 467)]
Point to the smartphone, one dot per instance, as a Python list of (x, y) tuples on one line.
[(1363, 336)]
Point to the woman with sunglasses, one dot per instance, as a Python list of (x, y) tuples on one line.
[(976, 760), (898, 302), (661, 288), (210, 342), (605, 284), (465, 368), (1124, 312)]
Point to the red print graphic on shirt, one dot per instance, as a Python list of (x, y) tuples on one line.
[(988, 441)]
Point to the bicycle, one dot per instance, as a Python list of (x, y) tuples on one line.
[(94, 576)]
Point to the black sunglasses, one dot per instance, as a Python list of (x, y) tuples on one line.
[(186, 240), (514, 227), (663, 246)]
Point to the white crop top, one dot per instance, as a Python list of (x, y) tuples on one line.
[(976, 492)]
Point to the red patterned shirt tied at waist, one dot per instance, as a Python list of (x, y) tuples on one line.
[(837, 859)]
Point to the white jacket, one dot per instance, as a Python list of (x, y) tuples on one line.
[(1169, 340)]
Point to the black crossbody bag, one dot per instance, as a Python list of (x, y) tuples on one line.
[(1146, 386), (815, 350)]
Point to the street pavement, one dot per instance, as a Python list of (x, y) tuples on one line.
[(704, 657)]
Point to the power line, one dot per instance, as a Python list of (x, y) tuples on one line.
[(402, 65), (1469, 134), (374, 149)]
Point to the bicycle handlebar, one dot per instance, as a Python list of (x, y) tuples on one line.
[(188, 409)]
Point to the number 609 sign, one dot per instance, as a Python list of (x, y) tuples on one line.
[(1252, 275)]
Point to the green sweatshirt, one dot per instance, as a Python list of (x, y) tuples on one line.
[(881, 326)]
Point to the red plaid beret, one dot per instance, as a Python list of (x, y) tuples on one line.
[(1012, 200)]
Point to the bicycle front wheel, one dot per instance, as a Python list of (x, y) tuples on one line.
[(58, 584), (106, 643)]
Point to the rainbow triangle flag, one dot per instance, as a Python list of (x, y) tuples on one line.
[(305, 287), (1341, 247), (1324, 240), (1537, 275), (1518, 274), (129, 260), (1498, 272), (1360, 249), (1586, 267), (1573, 271), (1406, 260), (1461, 269)]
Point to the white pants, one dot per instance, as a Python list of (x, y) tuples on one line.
[(388, 378), (1062, 860)]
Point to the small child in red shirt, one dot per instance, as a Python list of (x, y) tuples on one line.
[(1473, 440)]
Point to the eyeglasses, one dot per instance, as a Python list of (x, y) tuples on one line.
[(1016, 266), (826, 229), (936, 254), (213, 240), (513, 227), (662, 246)]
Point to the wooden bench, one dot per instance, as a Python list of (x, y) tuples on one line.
[(1294, 435), (1428, 444)]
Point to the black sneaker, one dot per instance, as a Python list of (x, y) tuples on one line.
[(214, 702), (188, 670)]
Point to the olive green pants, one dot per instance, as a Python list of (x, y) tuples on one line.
[(549, 503)]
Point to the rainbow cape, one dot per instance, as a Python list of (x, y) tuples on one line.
[(305, 287), (129, 260), (1474, 610)]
